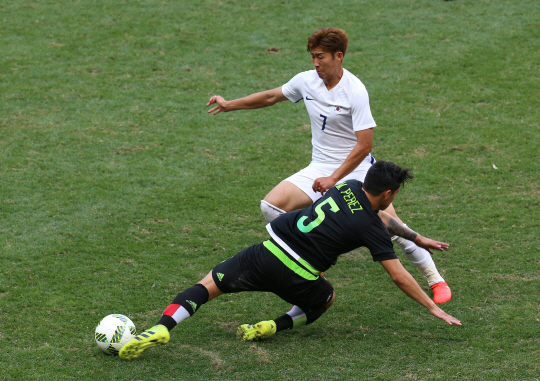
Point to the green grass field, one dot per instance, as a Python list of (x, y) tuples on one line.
[(118, 190)]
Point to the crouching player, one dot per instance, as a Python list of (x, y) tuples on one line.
[(302, 244)]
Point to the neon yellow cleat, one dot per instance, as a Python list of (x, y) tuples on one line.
[(157, 335), (259, 331)]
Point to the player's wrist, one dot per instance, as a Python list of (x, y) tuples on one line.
[(418, 239), (433, 308), (227, 105), (334, 178)]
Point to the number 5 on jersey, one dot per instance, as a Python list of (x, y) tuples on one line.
[(320, 216)]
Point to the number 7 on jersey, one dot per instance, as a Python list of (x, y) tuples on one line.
[(324, 121)]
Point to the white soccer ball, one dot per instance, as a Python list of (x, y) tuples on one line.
[(112, 332)]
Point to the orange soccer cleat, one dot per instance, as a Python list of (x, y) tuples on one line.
[(441, 292)]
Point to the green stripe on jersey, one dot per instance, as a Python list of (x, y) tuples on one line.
[(304, 263), (289, 262)]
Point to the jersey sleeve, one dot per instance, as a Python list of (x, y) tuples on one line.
[(360, 111), (293, 89), (379, 243)]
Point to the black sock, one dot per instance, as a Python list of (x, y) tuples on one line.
[(288, 322), (167, 321), (190, 299), (283, 322)]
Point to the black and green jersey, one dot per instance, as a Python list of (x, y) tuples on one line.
[(337, 223)]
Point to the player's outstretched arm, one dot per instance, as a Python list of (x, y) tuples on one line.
[(397, 228), (257, 100), (409, 286)]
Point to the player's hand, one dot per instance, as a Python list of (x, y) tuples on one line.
[(438, 313), (430, 244), (221, 104), (322, 184)]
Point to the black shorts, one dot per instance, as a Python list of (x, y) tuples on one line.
[(257, 269)]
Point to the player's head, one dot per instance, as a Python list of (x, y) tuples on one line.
[(384, 179), (327, 47), (330, 39)]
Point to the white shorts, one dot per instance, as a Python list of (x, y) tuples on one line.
[(304, 178)]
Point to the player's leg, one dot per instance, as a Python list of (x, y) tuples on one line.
[(226, 277), (295, 192), (314, 296), (423, 261), (183, 306), (283, 198), (228, 274), (296, 317), (189, 301)]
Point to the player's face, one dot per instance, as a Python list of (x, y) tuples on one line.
[(326, 64), (385, 203)]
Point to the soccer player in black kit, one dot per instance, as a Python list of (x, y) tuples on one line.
[(304, 243)]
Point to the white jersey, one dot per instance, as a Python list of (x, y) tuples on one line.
[(335, 114)]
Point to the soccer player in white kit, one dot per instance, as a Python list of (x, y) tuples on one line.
[(342, 135)]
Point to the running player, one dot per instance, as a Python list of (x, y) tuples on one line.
[(342, 135), (302, 244)]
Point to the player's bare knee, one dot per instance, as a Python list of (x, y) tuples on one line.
[(275, 197), (211, 287)]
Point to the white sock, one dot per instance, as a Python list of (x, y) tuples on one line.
[(296, 312), (420, 258), (431, 274), (269, 211), (298, 317)]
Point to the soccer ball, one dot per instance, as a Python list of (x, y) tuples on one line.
[(112, 332)]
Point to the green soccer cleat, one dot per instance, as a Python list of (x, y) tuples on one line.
[(259, 331), (157, 335)]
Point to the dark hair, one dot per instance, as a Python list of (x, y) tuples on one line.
[(330, 39), (384, 175)]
